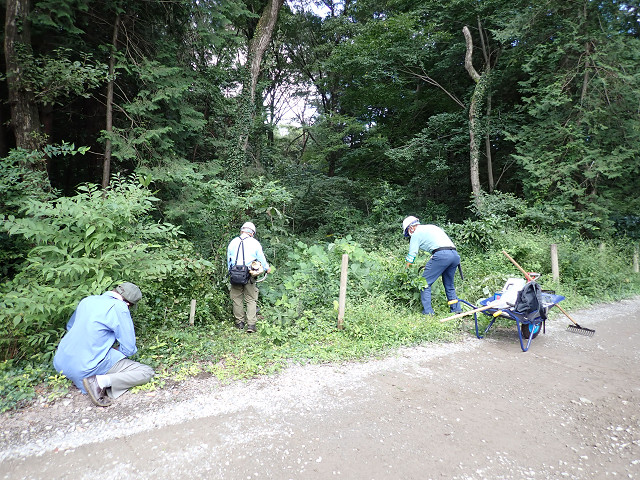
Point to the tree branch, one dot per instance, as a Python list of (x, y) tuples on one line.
[(468, 58)]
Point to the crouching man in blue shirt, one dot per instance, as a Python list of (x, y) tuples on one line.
[(88, 354)]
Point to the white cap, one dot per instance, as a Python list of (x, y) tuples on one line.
[(248, 227), (408, 222)]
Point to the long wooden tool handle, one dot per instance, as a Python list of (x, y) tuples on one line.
[(528, 277), (566, 314), (470, 312)]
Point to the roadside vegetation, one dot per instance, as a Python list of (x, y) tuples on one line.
[(65, 248), (137, 137)]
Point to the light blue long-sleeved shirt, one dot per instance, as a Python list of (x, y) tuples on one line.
[(252, 251), (97, 323), (427, 238)]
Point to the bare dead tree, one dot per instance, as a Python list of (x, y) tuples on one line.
[(475, 99)]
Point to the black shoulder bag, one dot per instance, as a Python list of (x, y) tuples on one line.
[(239, 274)]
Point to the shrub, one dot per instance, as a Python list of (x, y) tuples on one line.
[(82, 245)]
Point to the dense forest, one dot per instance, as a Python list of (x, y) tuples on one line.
[(137, 136)]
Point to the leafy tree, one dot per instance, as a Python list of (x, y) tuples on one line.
[(211, 209), (579, 136)]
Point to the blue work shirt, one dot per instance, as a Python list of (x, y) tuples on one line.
[(97, 323), (427, 238), (252, 251)]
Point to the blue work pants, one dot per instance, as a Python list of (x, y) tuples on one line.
[(442, 263)]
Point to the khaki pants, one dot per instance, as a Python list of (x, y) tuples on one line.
[(126, 374), (241, 294)]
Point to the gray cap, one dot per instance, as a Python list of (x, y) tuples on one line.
[(130, 292)]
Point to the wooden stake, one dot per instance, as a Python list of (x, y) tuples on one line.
[(635, 261), (192, 315), (343, 291), (555, 271)]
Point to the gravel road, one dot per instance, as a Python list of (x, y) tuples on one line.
[(569, 408)]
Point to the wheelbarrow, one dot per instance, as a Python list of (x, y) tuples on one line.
[(528, 324), (505, 304)]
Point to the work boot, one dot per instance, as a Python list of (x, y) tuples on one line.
[(239, 325), (251, 328)]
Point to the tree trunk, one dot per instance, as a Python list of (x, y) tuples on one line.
[(258, 45), (474, 168), (25, 119), (475, 98), (106, 164), (261, 40), (4, 148), (487, 138), (487, 144)]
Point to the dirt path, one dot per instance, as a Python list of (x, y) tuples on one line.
[(569, 408)]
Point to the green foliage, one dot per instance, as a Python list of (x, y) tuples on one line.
[(338, 206), (579, 138), (211, 210), (474, 234), (402, 285), (167, 303), (57, 77), (381, 324), (58, 15), (21, 178), (297, 303), (19, 384), (323, 204), (310, 280), (16, 386), (596, 269), (162, 124), (388, 136), (81, 245)]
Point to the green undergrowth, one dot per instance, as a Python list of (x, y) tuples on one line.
[(299, 308), (371, 330)]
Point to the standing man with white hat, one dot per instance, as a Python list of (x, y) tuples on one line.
[(243, 250), (443, 262)]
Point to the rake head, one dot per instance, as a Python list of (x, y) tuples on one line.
[(581, 330)]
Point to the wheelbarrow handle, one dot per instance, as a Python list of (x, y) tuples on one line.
[(470, 312)]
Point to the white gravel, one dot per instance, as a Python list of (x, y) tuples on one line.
[(73, 421), (479, 409)]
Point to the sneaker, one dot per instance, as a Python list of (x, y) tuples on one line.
[(239, 326), (251, 329)]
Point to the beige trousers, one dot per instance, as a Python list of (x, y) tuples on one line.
[(126, 374), (241, 294)]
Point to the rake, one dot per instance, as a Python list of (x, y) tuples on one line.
[(575, 328)]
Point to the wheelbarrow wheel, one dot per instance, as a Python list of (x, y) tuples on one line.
[(530, 330)]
